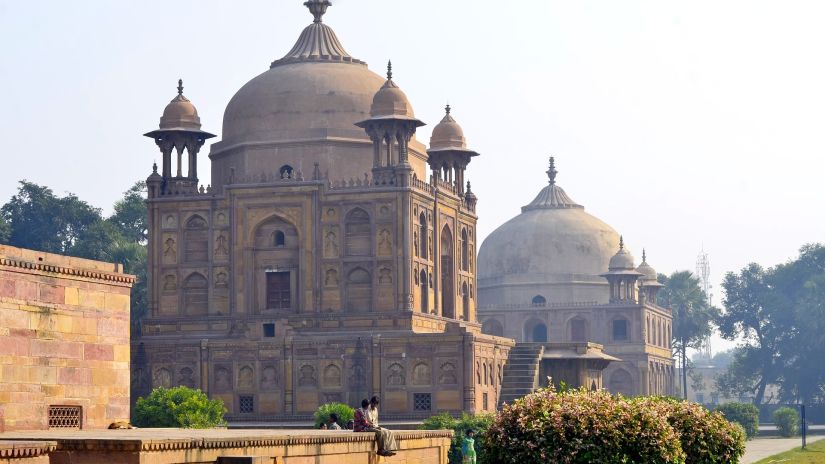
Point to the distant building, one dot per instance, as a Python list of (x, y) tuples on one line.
[(64, 341), (701, 387), (558, 277)]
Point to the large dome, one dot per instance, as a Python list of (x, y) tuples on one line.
[(303, 111), (553, 248)]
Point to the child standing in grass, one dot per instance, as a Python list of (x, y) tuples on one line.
[(468, 449)]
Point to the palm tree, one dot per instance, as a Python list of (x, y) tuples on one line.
[(692, 314)]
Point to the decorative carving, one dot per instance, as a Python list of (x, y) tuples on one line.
[(359, 375), (139, 380), (332, 376), (333, 398), (331, 278), (221, 248), (384, 242), (162, 378), (223, 382), (307, 378), (421, 374), (269, 378), (447, 375), (170, 222), (396, 375), (170, 283), (186, 377), (331, 244), (384, 276), (246, 378), (169, 247), (221, 279)]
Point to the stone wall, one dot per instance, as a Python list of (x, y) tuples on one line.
[(182, 446), (64, 339)]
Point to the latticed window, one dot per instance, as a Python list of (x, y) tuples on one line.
[(422, 402), (65, 417), (278, 290), (246, 404)]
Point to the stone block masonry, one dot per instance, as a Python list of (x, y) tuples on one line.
[(64, 341)]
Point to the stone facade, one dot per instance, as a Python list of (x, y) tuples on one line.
[(64, 341), (283, 286), (181, 446)]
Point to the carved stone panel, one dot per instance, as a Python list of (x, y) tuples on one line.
[(421, 374), (169, 245), (384, 242), (332, 241), (169, 221), (396, 376), (269, 377), (447, 373), (307, 376), (223, 379)]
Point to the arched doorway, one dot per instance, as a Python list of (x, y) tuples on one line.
[(535, 331), (465, 300), (621, 382), (447, 280), (492, 327)]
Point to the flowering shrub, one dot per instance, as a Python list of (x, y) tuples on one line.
[(706, 437), (787, 421), (580, 426), (478, 423), (744, 414)]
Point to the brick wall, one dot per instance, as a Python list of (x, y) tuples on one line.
[(64, 339)]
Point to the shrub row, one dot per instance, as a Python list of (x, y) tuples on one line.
[(581, 426)]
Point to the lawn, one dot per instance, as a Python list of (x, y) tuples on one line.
[(813, 454)]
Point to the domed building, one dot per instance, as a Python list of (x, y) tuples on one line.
[(561, 283), (330, 258)]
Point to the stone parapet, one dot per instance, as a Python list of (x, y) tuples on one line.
[(26, 452), (181, 446)]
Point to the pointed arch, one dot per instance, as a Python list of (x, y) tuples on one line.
[(492, 327), (195, 295), (424, 236), (465, 302), (359, 290), (196, 240), (358, 233), (447, 274), (425, 292), (465, 250), (621, 382)]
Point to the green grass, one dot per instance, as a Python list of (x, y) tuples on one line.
[(814, 453)]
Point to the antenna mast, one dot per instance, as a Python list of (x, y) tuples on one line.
[(703, 272)]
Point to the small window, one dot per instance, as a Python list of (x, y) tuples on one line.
[(246, 404), (539, 300), (65, 417), (278, 295), (485, 400), (279, 238), (422, 402), (620, 330), (269, 330)]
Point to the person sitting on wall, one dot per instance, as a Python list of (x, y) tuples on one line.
[(366, 420), (332, 422)]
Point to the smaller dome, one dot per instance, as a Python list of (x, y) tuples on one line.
[(647, 271), (447, 134), (390, 100), (622, 260), (180, 113)]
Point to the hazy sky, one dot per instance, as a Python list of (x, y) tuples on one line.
[(678, 123)]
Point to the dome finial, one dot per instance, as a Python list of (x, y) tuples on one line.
[(552, 172), (644, 256), (447, 108), (621, 242), (154, 167), (317, 8), (180, 87), (389, 70), (469, 190)]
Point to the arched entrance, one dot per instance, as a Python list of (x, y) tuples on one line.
[(447, 280), (535, 331)]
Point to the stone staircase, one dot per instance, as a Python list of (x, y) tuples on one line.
[(521, 371)]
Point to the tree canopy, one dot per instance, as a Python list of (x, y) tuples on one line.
[(779, 315)]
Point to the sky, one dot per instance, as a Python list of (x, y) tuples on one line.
[(684, 125)]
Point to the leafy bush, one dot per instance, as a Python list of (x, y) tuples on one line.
[(478, 423), (345, 414), (178, 407), (744, 414), (580, 426), (706, 437), (786, 421)]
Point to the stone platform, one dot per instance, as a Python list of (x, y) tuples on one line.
[(25, 452), (181, 446)]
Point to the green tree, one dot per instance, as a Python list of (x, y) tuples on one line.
[(40, 220), (178, 407), (344, 412), (130, 214), (692, 314), (751, 315), (5, 230)]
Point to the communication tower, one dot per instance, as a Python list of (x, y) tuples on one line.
[(703, 273)]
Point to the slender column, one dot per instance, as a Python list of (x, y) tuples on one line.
[(180, 159), (167, 162)]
